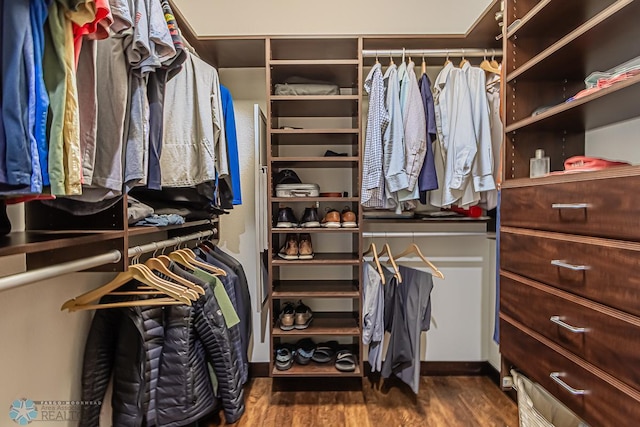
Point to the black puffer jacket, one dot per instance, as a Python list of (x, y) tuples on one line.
[(174, 381), (126, 342), (184, 389)]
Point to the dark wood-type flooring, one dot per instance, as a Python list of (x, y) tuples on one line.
[(442, 401)]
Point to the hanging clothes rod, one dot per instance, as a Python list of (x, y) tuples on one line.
[(45, 273), (434, 53), (154, 246), (394, 234)]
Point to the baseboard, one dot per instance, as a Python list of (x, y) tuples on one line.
[(261, 369), (258, 369)]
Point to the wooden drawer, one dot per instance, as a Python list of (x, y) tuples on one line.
[(610, 275), (607, 402), (598, 207), (611, 339)]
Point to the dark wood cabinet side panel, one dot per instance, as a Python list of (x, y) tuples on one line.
[(610, 342)]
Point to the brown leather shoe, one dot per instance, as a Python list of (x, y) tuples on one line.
[(305, 248), (290, 249), (348, 218), (331, 219)]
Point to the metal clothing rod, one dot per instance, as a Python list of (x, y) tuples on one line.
[(422, 234), (45, 273), (154, 246), (436, 53)]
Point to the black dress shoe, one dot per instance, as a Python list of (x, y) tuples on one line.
[(331, 153), (5, 224), (310, 218), (286, 218)]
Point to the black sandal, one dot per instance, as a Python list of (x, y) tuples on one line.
[(324, 352), (346, 361)]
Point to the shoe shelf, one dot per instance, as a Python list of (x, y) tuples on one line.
[(315, 370), (325, 323), (283, 289), (302, 129), (332, 258), (342, 230)]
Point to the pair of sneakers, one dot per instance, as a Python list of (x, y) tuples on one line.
[(295, 317), (335, 219), (297, 246), (287, 218)]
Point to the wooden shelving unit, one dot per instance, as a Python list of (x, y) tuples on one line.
[(569, 242), (300, 132), (54, 236)]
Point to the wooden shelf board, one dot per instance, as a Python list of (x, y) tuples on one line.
[(315, 289), (315, 131), (462, 219), (327, 258), (574, 55), (316, 162), (137, 231), (315, 370), (304, 62), (274, 98), (610, 105), (313, 199), (549, 18), (315, 230), (615, 172), (25, 242), (324, 323), (315, 106)]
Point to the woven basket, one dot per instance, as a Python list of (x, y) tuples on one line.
[(538, 408)]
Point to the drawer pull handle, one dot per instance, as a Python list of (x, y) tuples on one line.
[(576, 330), (564, 264), (570, 205), (556, 377)]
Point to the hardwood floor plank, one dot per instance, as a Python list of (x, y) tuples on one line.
[(441, 402)]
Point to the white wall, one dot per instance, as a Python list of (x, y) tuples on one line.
[(615, 142), (330, 17)]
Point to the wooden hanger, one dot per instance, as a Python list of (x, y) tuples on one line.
[(372, 250), (187, 258), (424, 65), (391, 59), (161, 265), (414, 249), (486, 65), (387, 250), (377, 62), (138, 272)]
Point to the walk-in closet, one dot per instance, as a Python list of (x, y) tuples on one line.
[(331, 214)]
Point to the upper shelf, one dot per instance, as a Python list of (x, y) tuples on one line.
[(606, 40), (335, 136), (26, 242), (315, 106), (343, 73), (607, 106), (315, 162), (551, 19)]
